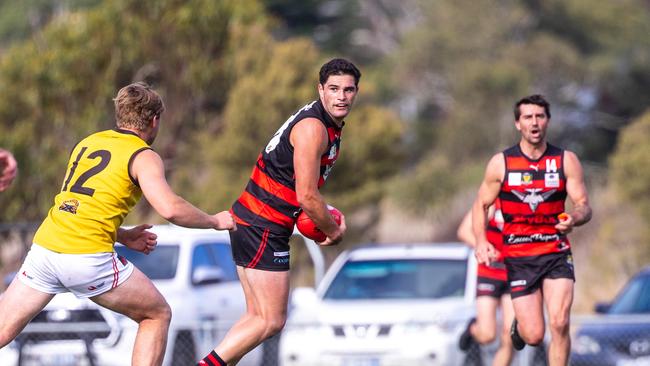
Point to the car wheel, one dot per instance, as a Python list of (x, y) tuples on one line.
[(184, 350)]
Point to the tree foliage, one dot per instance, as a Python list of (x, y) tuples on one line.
[(460, 71), (261, 101), (231, 74), (372, 153), (262, 98), (228, 85), (627, 164), (20, 20), (58, 87)]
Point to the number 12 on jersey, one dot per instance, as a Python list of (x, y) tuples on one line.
[(78, 186)]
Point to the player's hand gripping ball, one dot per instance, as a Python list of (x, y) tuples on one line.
[(309, 229)]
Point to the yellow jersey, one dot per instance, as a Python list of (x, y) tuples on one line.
[(97, 193)]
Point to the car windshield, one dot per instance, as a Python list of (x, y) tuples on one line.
[(399, 279), (635, 298), (158, 265)]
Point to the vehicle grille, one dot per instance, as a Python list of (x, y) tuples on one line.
[(361, 330), (82, 324)]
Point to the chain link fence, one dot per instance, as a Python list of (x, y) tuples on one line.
[(82, 339), (87, 337)]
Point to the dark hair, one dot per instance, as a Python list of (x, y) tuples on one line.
[(339, 66), (535, 99)]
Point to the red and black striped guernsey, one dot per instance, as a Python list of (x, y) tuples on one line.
[(532, 196), (269, 200)]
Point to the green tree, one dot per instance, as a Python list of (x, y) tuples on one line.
[(228, 85), (611, 40), (260, 101), (58, 87), (459, 72), (627, 165), (21, 19)]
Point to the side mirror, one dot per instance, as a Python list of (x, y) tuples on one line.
[(303, 297), (204, 275), (602, 307)]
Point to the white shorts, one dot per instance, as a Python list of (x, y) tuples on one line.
[(85, 275)]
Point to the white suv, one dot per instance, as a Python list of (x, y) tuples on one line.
[(194, 271), (384, 305)]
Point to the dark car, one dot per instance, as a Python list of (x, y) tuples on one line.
[(621, 334)]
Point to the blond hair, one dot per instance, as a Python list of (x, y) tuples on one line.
[(136, 105)]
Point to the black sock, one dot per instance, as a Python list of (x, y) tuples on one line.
[(212, 359)]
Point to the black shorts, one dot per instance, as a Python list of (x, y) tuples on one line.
[(525, 275), (255, 247), (486, 286)]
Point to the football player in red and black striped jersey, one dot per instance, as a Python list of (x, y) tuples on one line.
[(492, 291), (532, 180), (285, 180)]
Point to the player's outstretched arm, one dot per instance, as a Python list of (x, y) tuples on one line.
[(148, 170), (8, 169), (309, 140)]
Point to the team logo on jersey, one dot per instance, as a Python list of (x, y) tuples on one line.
[(514, 179), (527, 179), (533, 198), (552, 180), (281, 257), (485, 287), (69, 206), (93, 288), (534, 220)]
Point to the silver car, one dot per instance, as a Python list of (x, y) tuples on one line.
[(384, 306)]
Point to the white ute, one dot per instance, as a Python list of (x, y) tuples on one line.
[(194, 271)]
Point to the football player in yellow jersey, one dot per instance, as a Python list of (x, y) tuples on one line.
[(73, 248)]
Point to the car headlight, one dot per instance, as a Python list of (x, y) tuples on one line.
[(586, 345)]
